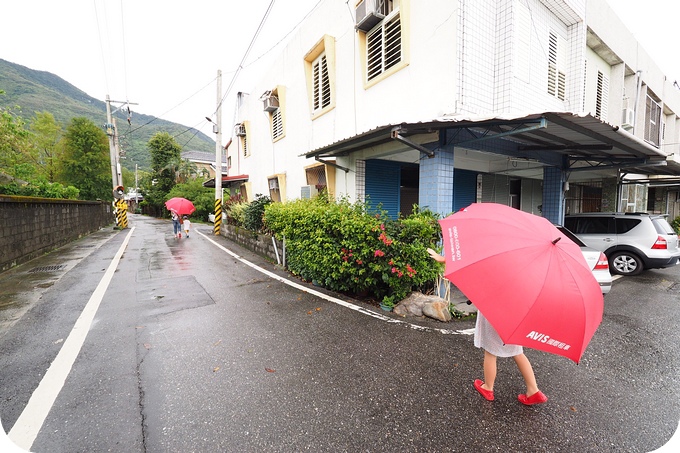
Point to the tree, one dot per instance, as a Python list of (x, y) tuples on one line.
[(15, 147), (46, 138), (86, 162), (165, 154)]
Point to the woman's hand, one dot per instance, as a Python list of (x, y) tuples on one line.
[(436, 256)]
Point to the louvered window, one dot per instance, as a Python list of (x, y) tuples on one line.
[(557, 79), (383, 45), (277, 124), (652, 121), (246, 150), (602, 101), (322, 84)]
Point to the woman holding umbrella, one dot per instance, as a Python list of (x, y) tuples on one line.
[(488, 339), (178, 207), (176, 227), (530, 283)]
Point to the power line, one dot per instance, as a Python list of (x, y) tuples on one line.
[(250, 46)]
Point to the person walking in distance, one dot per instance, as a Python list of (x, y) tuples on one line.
[(176, 227), (187, 225), (488, 339)]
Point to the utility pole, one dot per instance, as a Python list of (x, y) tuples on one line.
[(218, 156), (116, 177), (111, 133)]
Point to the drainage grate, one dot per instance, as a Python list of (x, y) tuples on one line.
[(56, 267)]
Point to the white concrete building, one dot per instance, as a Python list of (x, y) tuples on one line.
[(546, 105)]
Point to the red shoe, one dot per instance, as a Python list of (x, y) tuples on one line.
[(488, 394), (536, 398)]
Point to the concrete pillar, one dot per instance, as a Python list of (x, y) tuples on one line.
[(436, 182), (553, 194)]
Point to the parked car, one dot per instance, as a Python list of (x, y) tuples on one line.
[(632, 241), (597, 261), (211, 217)]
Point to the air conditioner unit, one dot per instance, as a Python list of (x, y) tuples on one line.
[(274, 184), (628, 119), (240, 130), (308, 191), (368, 14), (270, 104)]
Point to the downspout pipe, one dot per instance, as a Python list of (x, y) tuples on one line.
[(638, 74)]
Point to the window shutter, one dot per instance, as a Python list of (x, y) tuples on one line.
[(557, 78), (277, 124), (325, 84), (322, 84), (602, 100), (383, 47), (652, 121)]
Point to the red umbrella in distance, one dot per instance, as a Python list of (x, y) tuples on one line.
[(528, 279), (180, 205)]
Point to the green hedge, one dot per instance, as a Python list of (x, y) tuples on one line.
[(343, 247)]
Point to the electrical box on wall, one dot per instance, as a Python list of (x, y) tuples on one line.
[(628, 119)]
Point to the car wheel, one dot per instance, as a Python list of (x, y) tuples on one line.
[(625, 263)]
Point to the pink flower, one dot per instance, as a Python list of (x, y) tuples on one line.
[(379, 253), (394, 270)]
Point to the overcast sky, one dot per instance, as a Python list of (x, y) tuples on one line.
[(164, 54)]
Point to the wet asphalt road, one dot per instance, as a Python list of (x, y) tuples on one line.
[(191, 349)]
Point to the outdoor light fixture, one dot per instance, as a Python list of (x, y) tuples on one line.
[(215, 128)]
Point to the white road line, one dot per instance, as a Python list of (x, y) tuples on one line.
[(29, 423), (335, 300)]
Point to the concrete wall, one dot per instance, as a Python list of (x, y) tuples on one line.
[(258, 243), (34, 226)]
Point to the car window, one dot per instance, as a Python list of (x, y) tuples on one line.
[(662, 226), (594, 225), (623, 226)]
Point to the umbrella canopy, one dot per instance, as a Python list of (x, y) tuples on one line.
[(528, 279), (180, 205)]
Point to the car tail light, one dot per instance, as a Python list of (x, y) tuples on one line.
[(602, 262), (660, 244)]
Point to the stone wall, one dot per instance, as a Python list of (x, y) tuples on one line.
[(258, 243), (30, 227)]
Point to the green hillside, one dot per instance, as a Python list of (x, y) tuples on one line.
[(36, 91)]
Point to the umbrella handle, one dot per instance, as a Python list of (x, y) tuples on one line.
[(556, 240)]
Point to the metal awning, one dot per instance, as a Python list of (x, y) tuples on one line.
[(586, 141), (227, 180)]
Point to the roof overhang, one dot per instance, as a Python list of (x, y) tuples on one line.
[(227, 181), (581, 140)]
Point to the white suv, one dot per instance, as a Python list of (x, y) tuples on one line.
[(632, 241)]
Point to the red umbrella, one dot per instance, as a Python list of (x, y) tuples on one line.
[(528, 279), (180, 205)]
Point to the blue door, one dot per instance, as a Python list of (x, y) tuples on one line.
[(383, 180)]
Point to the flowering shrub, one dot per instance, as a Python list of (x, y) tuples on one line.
[(344, 247)]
